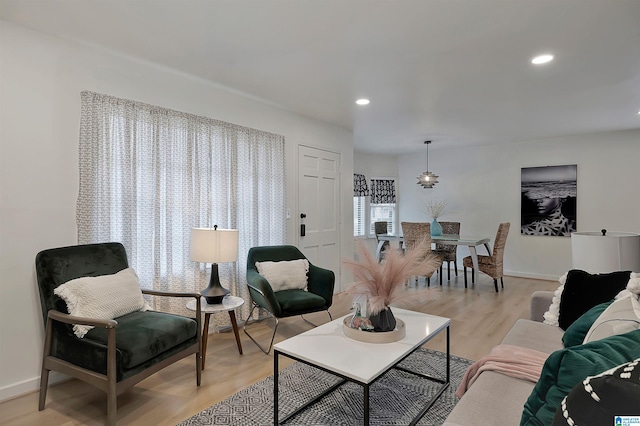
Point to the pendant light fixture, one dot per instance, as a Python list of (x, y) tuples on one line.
[(427, 179)]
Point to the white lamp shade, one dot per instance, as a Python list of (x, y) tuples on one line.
[(211, 245), (595, 253)]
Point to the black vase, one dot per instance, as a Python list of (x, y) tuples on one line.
[(383, 320)]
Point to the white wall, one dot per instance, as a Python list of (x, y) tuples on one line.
[(40, 85), (483, 185)]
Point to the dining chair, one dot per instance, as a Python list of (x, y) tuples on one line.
[(447, 252), (381, 228), (414, 234), (492, 264)]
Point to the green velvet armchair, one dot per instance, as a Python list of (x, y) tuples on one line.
[(117, 353), (286, 303)]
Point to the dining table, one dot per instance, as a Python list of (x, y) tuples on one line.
[(449, 239)]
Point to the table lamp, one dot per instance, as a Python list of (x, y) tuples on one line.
[(601, 252), (213, 245)]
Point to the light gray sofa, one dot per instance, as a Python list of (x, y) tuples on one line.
[(496, 399)]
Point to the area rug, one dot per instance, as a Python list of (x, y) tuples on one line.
[(394, 399)]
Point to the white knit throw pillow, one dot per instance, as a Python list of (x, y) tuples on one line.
[(285, 275), (102, 297), (552, 315)]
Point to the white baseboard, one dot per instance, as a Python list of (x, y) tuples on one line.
[(17, 390)]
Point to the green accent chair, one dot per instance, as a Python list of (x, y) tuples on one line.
[(115, 354), (286, 303)]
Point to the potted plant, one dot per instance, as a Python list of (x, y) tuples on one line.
[(384, 282)]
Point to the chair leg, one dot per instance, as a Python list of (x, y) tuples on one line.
[(44, 381), (440, 275), (465, 276), (198, 367), (428, 281), (473, 276), (501, 282), (44, 375), (448, 271), (495, 284), (455, 267), (273, 336), (315, 325)]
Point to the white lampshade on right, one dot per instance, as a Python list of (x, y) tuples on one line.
[(597, 253)]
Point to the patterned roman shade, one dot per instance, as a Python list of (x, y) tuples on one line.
[(360, 188), (383, 191)]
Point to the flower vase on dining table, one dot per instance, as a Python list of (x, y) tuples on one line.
[(436, 228)]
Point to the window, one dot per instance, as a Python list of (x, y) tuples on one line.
[(383, 204), (383, 213), (150, 174), (360, 192), (359, 216)]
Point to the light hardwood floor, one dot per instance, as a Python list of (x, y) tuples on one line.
[(478, 322)]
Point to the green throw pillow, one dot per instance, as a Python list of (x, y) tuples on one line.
[(567, 367), (578, 330)]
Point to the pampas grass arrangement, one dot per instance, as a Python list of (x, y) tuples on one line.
[(384, 283)]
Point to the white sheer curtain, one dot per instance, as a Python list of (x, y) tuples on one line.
[(150, 174)]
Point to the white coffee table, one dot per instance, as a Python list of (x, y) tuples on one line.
[(327, 348), (229, 304)]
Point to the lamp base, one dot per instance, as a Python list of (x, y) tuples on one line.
[(214, 293), (214, 300)]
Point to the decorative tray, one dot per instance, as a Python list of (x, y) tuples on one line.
[(375, 336)]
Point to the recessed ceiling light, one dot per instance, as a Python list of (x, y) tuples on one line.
[(363, 101), (542, 59)]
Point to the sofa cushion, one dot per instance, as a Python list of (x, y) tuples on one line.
[(583, 290), (490, 401), (598, 399), (567, 367), (299, 300), (141, 336), (577, 331), (534, 335), (621, 317)]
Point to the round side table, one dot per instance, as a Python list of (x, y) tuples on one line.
[(229, 304)]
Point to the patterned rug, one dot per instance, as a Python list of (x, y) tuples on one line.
[(394, 399)]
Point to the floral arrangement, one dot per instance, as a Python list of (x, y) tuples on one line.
[(437, 208), (384, 283)]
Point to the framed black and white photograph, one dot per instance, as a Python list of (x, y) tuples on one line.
[(548, 200)]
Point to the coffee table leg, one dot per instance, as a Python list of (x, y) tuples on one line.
[(205, 337), (234, 324), (366, 405), (275, 387)]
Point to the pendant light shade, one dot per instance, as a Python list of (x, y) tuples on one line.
[(427, 179)]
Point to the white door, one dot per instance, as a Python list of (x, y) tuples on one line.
[(319, 202)]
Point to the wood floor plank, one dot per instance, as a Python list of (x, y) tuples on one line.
[(478, 322)]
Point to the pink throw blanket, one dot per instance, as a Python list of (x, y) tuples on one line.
[(514, 361)]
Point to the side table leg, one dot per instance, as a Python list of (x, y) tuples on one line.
[(205, 337), (234, 324)]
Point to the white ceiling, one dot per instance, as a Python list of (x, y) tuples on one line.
[(453, 71)]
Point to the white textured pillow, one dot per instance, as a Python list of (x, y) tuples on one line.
[(102, 297), (552, 315), (285, 275), (622, 316)]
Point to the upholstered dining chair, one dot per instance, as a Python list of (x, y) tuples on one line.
[(283, 282), (492, 264), (112, 353), (447, 252), (415, 233), (381, 228)]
